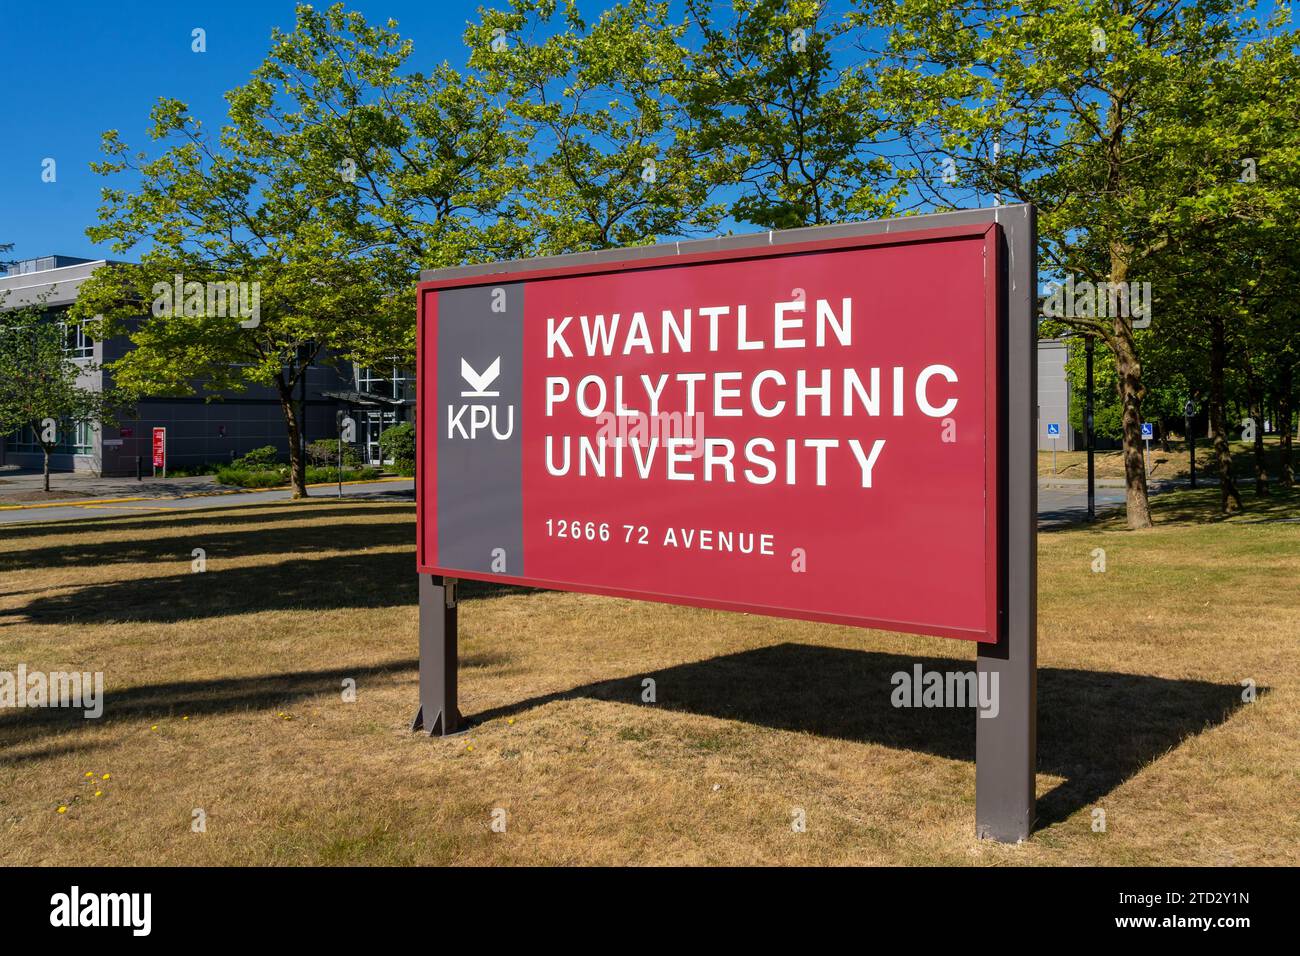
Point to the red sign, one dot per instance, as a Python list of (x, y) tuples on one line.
[(803, 430), (160, 448)]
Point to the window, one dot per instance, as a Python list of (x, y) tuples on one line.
[(83, 439), (392, 382), (77, 439), (77, 343), (371, 382)]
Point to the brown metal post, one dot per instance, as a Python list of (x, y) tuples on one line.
[(438, 713), (1006, 751)]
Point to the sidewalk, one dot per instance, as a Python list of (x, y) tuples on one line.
[(22, 485)]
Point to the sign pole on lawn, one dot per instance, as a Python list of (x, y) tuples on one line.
[(1006, 746), (492, 505), (439, 714), (1089, 437)]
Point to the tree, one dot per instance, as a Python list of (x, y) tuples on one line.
[(39, 380), (1052, 104), (610, 159), (335, 180), (1229, 267), (429, 162), (793, 135)]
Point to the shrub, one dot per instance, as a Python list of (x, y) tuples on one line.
[(320, 475), (325, 453), (193, 471), (263, 457), (398, 443), (253, 477), (278, 477)]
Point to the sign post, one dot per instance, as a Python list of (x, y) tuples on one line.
[(347, 434), (1148, 432), (160, 452), (692, 423), (1189, 410), (1053, 432)]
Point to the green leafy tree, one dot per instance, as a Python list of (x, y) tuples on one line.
[(336, 178), (1067, 107), (41, 384), (1227, 275), (610, 159), (428, 161), (793, 134)]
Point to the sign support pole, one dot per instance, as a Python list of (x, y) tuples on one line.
[(439, 714), (1006, 754)]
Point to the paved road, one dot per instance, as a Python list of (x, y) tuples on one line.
[(401, 489), (1064, 502)]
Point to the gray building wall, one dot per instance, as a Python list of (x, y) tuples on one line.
[(200, 428), (1053, 395)]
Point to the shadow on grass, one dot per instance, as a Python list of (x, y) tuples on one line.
[(153, 702), (1185, 506), (290, 538), (356, 579), (212, 516), (1095, 729), (1202, 506)]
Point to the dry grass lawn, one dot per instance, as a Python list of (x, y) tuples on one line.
[(224, 692)]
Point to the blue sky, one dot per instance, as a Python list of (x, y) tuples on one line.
[(74, 69), (71, 74)]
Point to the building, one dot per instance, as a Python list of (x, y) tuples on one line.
[(203, 430), (200, 429), (1054, 396)]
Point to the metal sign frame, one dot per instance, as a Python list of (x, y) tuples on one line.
[(1006, 757)]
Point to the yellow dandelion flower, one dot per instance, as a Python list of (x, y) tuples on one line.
[(106, 776), (90, 773), (63, 809), (99, 793)]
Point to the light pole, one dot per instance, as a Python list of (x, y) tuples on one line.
[(347, 433), (1087, 426)]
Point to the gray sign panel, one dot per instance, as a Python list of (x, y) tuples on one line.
[(480, 453)]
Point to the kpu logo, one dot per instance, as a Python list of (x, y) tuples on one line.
[(467, 419)]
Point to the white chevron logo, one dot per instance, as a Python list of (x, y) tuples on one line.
[(479, 382)]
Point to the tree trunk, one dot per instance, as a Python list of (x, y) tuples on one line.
[(1287, 467), (1229, 497), (1261, 468), (45, 449), (1129, 374), (297, 464), (1254, 391)]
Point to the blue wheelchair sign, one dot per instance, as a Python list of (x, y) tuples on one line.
[(1148, 431), (1053, 429)]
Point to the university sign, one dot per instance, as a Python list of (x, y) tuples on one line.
[(816, 424)]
